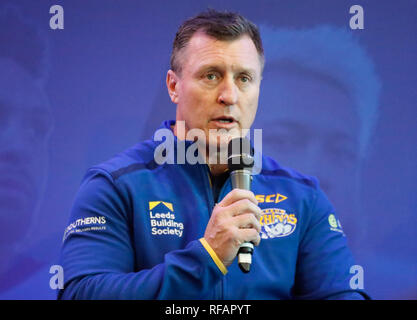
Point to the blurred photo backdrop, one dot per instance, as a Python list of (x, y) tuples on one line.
[(336, 102)]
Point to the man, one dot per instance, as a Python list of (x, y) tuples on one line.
[(143, 230)]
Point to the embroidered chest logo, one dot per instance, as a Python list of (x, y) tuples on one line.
[(270, 198), (277, 223), (163, 220)]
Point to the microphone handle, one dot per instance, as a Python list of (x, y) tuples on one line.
[(241, 179)]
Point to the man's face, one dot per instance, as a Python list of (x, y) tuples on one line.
[(219, 85)]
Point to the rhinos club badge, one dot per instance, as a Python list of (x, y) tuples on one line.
[(277, 223)]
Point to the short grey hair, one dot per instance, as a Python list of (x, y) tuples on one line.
[(220, 25)]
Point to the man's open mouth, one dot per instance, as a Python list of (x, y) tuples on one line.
[(225, 119)]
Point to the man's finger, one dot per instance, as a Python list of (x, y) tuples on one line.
[(236, 195), (244, 206), (250, 235), (248, 221)]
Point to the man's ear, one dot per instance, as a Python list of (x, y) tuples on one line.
[(172, 81)]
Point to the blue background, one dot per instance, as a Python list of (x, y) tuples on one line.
[(104, 77)]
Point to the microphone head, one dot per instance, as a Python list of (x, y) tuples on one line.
[(240, 154)]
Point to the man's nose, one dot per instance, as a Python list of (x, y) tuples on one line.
[(228, 92)]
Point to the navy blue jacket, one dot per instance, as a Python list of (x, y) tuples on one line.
[(136, 231)]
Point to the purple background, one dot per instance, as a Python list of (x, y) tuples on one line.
[(105, 83)]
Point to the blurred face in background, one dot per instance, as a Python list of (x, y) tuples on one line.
[(310, 124), (25, 126)]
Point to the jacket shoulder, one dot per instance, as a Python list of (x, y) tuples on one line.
[(137, 157), (272, 168)]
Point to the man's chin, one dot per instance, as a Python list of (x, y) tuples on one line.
[(222, 136), (216, 143), (217, 150), (220, 143)]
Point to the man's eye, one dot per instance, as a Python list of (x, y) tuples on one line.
[(244, 79), (211, 76)]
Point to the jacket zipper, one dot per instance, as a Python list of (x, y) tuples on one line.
[(210, 197), (221, 196)]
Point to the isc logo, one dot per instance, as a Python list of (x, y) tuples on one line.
[(270, 198)]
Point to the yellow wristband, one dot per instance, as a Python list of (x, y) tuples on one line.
[(214, 256)]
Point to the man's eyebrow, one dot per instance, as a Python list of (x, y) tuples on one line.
[(209, 67), (247, 70), (213, 67)]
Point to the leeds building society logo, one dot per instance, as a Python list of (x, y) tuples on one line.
[(163, 220), (277, 223)]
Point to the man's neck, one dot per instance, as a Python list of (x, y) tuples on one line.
[(215, 169)]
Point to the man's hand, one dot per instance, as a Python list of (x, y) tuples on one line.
[(233, 221)]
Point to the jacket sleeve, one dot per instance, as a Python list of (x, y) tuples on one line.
[(98, 257), (324, 259)]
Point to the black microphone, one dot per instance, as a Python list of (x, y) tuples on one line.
[(240, 162)]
